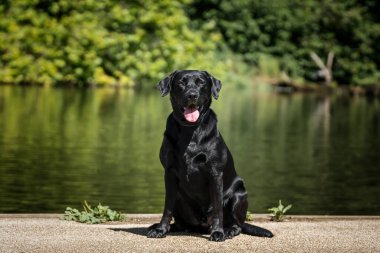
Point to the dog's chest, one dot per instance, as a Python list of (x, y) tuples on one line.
[(193, 164), (192, 174)]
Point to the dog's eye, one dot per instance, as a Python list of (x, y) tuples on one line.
[(201, 81)]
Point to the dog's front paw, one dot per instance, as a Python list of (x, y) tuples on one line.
[(217, 236), (156, 231), (232, 231)]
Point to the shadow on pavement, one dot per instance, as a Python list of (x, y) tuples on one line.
[(144, 230)]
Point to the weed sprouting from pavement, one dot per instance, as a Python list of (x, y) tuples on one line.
[(278, 213), (98, 214)]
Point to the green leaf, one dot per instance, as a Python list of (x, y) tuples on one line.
[(249, 216), (280, 206), (273, 209), (287, 208)]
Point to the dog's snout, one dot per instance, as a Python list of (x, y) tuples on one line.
[(192, 96)]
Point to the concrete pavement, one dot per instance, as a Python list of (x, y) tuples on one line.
[(47, 233)]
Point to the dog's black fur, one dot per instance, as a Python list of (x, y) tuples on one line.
[(203, 192)]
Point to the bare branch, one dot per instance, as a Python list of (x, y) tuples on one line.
[(317, 60), (327, 71), (330, 60)]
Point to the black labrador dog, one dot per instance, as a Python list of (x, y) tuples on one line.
[(203, 192)]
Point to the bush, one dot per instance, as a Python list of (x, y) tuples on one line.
[(89, 42)]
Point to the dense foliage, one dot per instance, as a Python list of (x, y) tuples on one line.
[(285, 32), (132, 42), (100, 42)]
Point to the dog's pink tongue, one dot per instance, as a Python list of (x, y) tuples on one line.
[(191, 114)]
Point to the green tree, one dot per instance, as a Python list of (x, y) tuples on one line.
[(100, 42), (289, 30)]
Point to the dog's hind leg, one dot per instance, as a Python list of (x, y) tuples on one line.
[(239, 211), (235, 214)]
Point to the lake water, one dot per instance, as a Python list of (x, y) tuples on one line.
[(59, 147)]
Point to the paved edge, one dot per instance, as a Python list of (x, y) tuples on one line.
[(150, 217)]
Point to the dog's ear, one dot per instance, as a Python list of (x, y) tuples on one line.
[(165, 84), (216, 85)]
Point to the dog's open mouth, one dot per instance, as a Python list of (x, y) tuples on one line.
[(191, 113)]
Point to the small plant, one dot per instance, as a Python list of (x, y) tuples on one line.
[(249, 216), (94, 215), (278, 213)]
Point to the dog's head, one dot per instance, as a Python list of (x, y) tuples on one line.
[(190, 93)]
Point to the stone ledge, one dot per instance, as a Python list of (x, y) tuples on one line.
[(149, 217)]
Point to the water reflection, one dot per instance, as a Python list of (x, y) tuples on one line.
[(61, 146)]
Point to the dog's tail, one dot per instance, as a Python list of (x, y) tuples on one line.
[(256, 231)]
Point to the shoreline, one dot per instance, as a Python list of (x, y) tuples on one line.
[(279, 86)]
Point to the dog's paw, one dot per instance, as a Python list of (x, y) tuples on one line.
[(217, 236), (232, 231), (156, 231)]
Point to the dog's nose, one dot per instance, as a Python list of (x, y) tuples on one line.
[(192, 96)]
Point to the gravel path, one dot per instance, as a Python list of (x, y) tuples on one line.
[(298, 235)]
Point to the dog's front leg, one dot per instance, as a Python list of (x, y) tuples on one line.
[(216, 192), (159, 230)]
